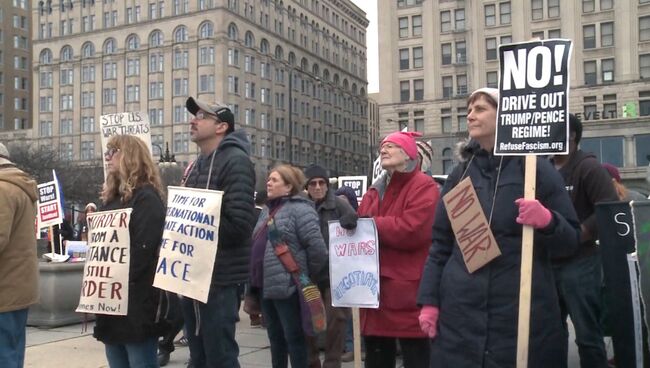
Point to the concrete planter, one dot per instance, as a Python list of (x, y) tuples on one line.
[(59, 287)]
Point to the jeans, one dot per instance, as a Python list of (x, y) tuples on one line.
[(579, 290), (334, 336), (133, 355), (381, 352), (12, 338), (284, 327), (215, 345)]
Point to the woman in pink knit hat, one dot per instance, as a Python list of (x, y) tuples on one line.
[(402, 202)]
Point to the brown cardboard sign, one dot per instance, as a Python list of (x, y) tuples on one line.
[(471, 228)]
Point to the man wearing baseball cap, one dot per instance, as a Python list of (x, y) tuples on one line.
[(223, 164)]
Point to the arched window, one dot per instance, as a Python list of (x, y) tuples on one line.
[(326, 75), (232, 32), (336, 79), (362, 92), (354, 89), (88, 50), (249, 39), (156, 39), (110, 46), (180, 34), (264, 46), (315, 70), (292, 58), (447, 161), (132, 42), (303, 64), (279, 53), (345, 84), (66, 53), (206, 30), (46, 56)]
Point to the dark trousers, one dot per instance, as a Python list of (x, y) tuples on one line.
[(12, 338), (284, 328), (334, 336), (381, 352), (215, 344), (579, 290), (174, 316)]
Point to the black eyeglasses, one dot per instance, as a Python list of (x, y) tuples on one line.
[(204, 115), (111, 152)]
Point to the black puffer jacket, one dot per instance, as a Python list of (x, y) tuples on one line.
[(145, 230), (232, 173), (477, 326)]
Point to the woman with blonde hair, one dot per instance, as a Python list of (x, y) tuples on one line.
[(295, 223), (133, 182)]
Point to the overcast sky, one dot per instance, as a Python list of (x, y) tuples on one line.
[(370, 7)]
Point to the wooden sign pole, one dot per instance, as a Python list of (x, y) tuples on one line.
[(523, 332), (356, 331)]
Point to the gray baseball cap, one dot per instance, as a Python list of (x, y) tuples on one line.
[(222, 112)]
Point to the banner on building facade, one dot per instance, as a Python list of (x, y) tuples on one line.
[(190, 240), (533, 111), (354, 264)]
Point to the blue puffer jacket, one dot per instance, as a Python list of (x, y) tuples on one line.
[(298, 223)]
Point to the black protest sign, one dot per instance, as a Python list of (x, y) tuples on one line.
[(623, 319), (533, 98)]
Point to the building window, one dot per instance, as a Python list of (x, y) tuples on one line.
[(403, 121), (88, 99), (156, 62), (418, 121), (492, 80), (642, 149), (156, 39), (447, 161), (644, 103), (132, 67), (87, 150), (607, 68), (403, 59), (461, 52), (404, 91), (445, 120), (181, 59), (644, 28), (66, 77), (590, 73), (607, 34), (181, 86), (66, 102), (553, 8), (491, 48), (416, 24), (110, 70), (45, 128), (589, 36), (490, 15), (418, 89), (45, 104), (418, 57), (206, 83), (249, 64), (403, 27), (206, 55), (589, 106), (233, 84), (459, 17), (606, 4), (109, 96), (609, 106), (504, 13), (461, 84), (537, 9), (462, 119), (447, 86), (65, 126), (233, 57), (644, 66), (46, 79), (132, 93), (554, 33), (588, 6), (87, 124), (445, 21), (206, 30), (446, 53), (606, 149), (156, 117)]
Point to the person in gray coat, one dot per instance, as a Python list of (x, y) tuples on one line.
[(297, 222)]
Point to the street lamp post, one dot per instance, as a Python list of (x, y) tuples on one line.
[(166, 159)]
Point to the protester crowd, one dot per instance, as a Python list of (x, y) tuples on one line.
[(432, 309)]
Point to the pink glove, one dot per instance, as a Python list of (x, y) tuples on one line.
[(533, 213), (429, 320)]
